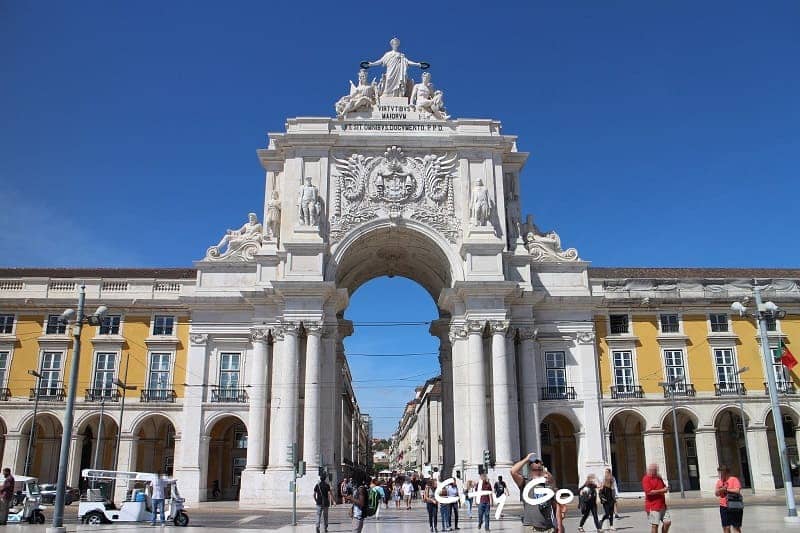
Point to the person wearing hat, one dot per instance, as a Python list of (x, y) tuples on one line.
[(729, 491)]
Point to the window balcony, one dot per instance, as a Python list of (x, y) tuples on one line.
[(783, 388), (679, 389), (102, 395), (158, 396), (557, 393), (730, 389), (627, 392), (5, 394), (48, 394), (228, 395)]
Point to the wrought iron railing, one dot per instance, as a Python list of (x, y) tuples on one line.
[(729, 389), (53, 393), (228, 395), (627, 392), (158, 396), (557, 392), (5, 394), (679, 389), (786, 387), (102, 395)]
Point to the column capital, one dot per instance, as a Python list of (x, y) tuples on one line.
[(584, 337), (198, 339), (474, 327), (286, 327), (457, 331), (528, 333), (259, 334), (499, 326), (314, 328)]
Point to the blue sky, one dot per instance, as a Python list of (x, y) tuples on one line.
[(659, 133)]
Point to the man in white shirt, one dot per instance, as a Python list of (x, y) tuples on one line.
[(158, 488)]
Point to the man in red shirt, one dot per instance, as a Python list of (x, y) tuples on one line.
[(655, 503)]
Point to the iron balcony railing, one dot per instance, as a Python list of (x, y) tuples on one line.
[(5, 394), (228, 395), (557, 392), (158, 395), (627, 392), (680, 389), (729, 389), (786, 387), (53, 393), (102, 395)]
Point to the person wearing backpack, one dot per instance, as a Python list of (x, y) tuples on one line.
[(375, 499), (587, 502), (323, 497), (359, 510), (731, 506)]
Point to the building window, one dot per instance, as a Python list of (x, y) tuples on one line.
[(3, 367), (240, 438), (555, 371), (726, 369), (110, 325), (772, 324), (229, 370), (669, 323), (163, 325), (782, 379), (719, 322), (623, 371), (544, 433), (7, 324), (105, 364), (676, 369), (158, 378), (619, 324), (50, 370), (54, 327)]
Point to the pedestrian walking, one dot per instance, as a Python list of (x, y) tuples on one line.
[(452, 491), (485, 501), (655, 501), (467, 498), (540, 518), (397, 492), (158, 488), (323, 498), (6, 495), (608, 501), (359, 507), (587, 501), (444, 508), (408, 493), (614, 486), (731, 505), (376, 486), (429, 498)]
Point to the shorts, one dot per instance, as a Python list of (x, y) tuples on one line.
[(532, 529), (656, 517), (731, 517)]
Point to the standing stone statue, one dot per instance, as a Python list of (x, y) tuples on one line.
[(362, 96), (274, 215), (482, 204), (238, 241), (428, 100), (308, 204), (395, 81)]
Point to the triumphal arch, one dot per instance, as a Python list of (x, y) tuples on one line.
[(390, 185)]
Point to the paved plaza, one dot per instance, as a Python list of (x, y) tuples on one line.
[(764, 518)]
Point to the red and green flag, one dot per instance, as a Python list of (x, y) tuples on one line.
[(786, 358)]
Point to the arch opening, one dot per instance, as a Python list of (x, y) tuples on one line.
[(790, 428), (560, 450), (155, 445), (227, 458), (44, 448), (627, 448), (690, 472)]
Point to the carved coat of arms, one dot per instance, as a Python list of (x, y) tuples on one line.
[(396, 186)]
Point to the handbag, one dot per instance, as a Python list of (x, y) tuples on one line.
[(735, 501)]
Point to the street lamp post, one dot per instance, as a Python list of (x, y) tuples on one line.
[(32, 432), (670, 385), (123, 385), (744, 428), (767, 311), (69, 411)]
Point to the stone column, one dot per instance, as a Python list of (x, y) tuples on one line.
[(127, 461), (505, 414), (478, 425), (654, 450), (707, 460), (313, 390), (594, 459), (760, 465), (446, 363), (257, 419), (460, 394), (329, 401), (190, 470), (74, 468), (530, 392), (283, 426), (14, 452)]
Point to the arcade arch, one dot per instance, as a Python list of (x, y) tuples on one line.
[(687, 425), (227, 457), (790, 428), (627, 448), (560, 449), (97, 445), (44, 449), (155, 445)]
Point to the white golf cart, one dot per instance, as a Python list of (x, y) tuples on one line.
[(27, 502), (94, 508)]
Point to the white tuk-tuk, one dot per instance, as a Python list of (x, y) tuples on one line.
[(94, 508), (27, 502)]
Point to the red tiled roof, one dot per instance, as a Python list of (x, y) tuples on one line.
[(41, 272)]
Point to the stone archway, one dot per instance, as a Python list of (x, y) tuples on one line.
[(96, 445), (44, 449), (227, 458), (560, 450), (627, 449), (790, 427), (155, 445), (729, 429), (687, 446)]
